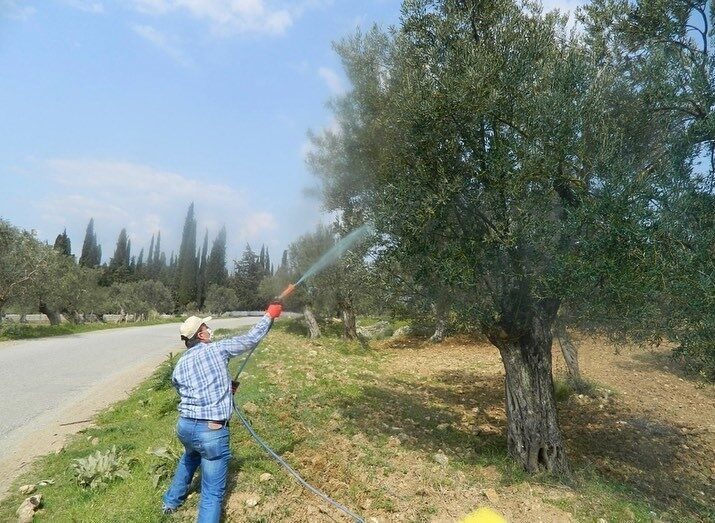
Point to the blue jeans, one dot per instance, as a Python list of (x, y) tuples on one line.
[(208, 448)]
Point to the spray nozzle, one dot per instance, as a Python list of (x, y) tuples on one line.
[(287, 292)]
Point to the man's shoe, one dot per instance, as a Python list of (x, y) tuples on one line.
[(167, 510)]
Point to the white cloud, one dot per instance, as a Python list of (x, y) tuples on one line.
[(163, 42), (258, 223), (332, 80), (227, 17), (15, 10), (143, 200)]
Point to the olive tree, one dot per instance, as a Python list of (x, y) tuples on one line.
[(497, 155)]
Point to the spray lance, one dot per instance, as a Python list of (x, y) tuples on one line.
[(328, 258)]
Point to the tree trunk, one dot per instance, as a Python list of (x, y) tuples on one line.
[(533, 434), (440, 307), (52, 315), (313, 326), (569, 351), (349, 328)]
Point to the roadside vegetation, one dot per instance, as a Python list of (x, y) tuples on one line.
[(397, 430), (24, 331)]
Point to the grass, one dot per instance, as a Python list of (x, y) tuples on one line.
[(352, 422), (23, 331)]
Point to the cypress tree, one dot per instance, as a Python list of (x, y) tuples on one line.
[(248, 275), (186, 269), (91, 252), (150, 258), (159, 257), (201, 281), (216, 265), (121, 252)]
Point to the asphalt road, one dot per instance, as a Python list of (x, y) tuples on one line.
[(52, 386)]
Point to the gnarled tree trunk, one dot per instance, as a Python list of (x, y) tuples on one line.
[(52, 315), (313, 326), (349, 326), (533, 434)]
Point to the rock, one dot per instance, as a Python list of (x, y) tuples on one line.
[(266, 476), (491, 495), (442, 426), (95, 442), (27, 489), (45, 482), (378, 331), (601, 520), (441, 458), (253, 500), (26, 512), (402, 332), (394, 441), (250, 407), (312, 353)]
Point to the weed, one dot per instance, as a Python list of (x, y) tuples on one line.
[(163, 463), (100, 468)]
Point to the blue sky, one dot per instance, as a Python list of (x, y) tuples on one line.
[(127, 111)]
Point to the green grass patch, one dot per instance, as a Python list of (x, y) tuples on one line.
[(343, 417), (24, 331)]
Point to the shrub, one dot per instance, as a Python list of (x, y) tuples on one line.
[(100, 468)]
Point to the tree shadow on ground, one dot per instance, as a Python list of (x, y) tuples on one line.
[(652, 361), (462, 413)]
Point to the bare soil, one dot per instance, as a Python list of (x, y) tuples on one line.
[(646, 427)]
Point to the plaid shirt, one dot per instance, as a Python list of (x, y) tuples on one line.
[(201, 375)]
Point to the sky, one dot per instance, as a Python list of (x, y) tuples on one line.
[(127, 111)]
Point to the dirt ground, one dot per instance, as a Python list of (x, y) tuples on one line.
[(646, 427)]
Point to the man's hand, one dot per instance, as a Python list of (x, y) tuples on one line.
[(274, 310)]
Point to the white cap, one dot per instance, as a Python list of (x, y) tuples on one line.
[(192, 325)]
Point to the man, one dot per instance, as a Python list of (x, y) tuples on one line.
[(204, 385)]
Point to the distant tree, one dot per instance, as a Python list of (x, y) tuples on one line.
[(150, 257), (201, 285), (220, 299), (140, 261), (119, 268), (91, 255), (140, 298), (247, 276), (331, 290), (159, 258), (186, 266), (63, 245), (23, 262), (216, 265)]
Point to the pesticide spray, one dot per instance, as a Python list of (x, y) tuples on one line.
[(327, 259)]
